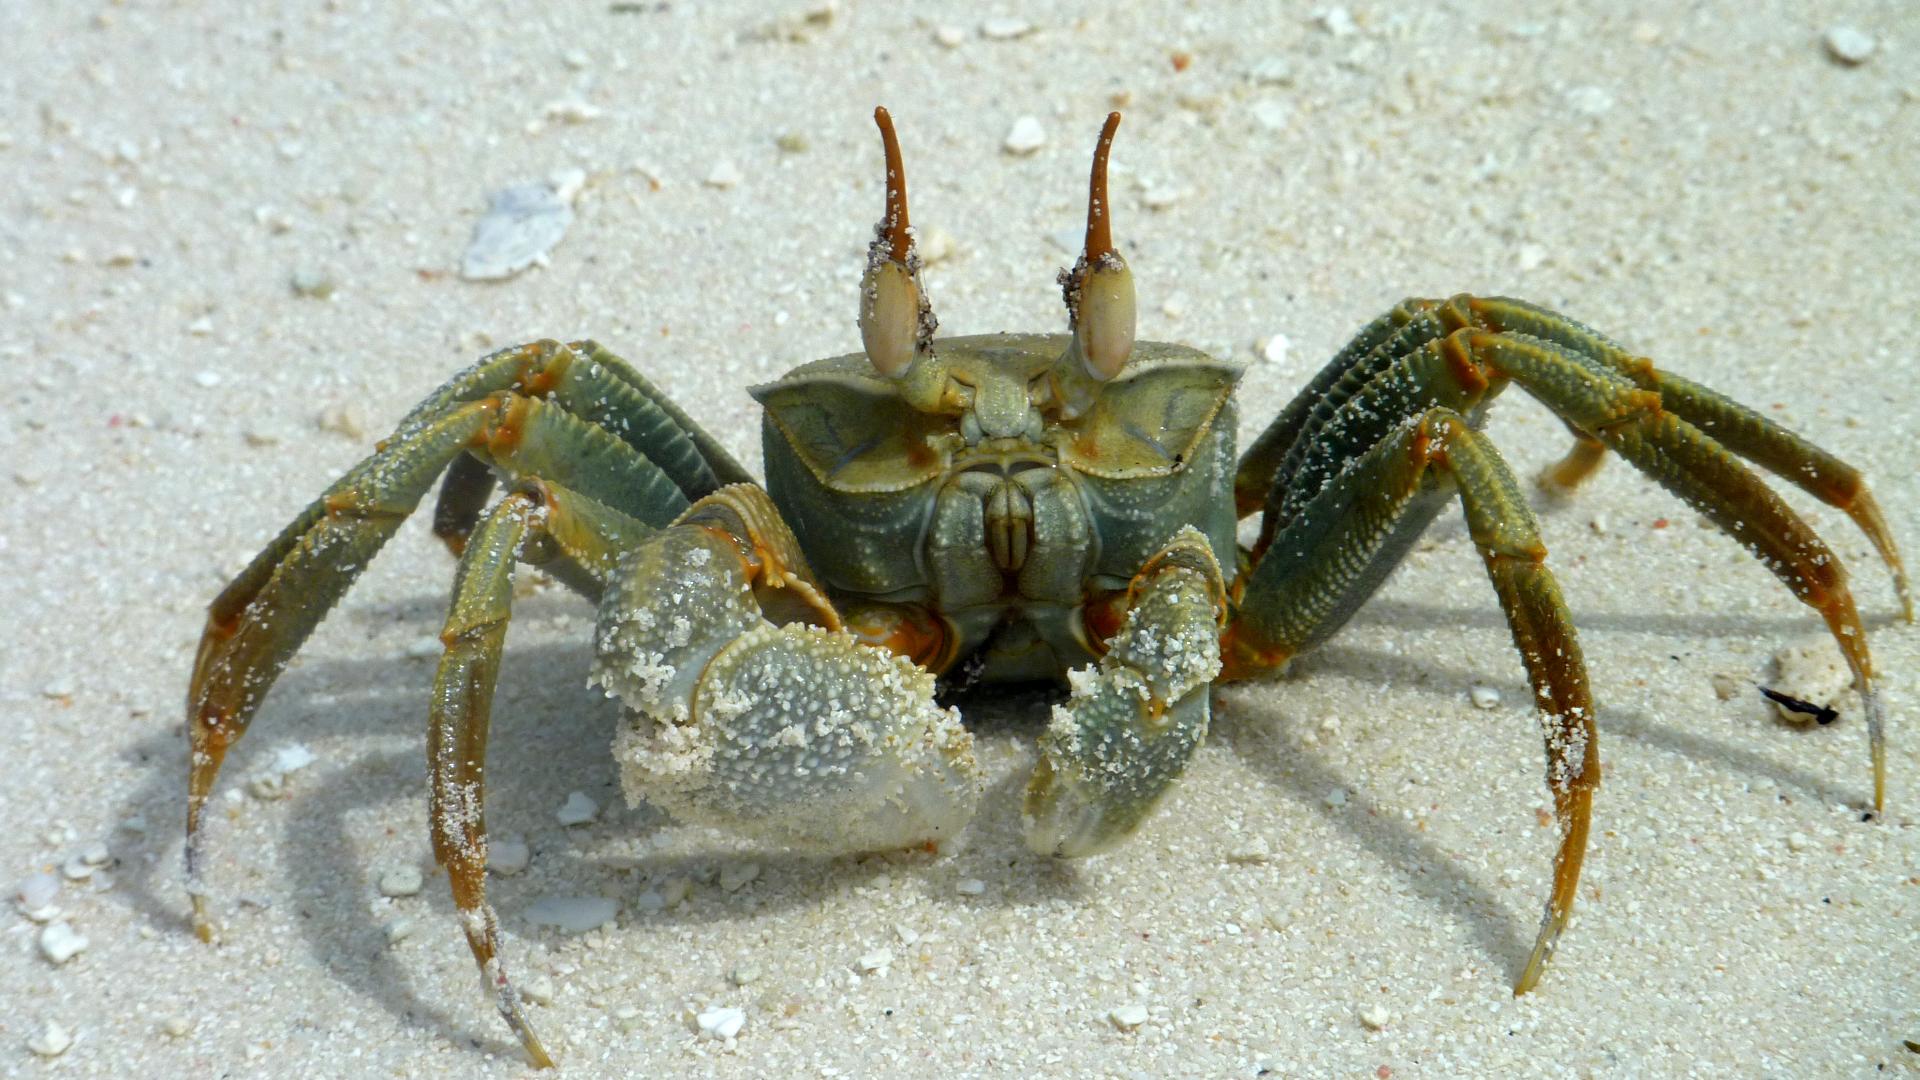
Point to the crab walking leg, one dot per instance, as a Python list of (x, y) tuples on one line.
[(755, 710), (1323, 564), (1634, 424), (535, 522), (1727, 422), (260, 620), (464, 492), (599, 387), (1133, 720)]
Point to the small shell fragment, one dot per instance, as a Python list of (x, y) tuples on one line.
[(401, 881), (521, 225), (1811, 672), (579, 809), (52, 1040), (1127, 1017), (1849, 45), (508, 857), (1484, 697), (1376, 1017), (877, 960), (723, 1022)]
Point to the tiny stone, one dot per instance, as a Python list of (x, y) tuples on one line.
[(208, 379), (76, 869), (1254, 850), (1127, 1017), (1376, 1017), (1273, 349), (723, 175), (935, 245), (1797, 841), (538, 990), (312, 284), (400, 930), (742, 974), (401, 881), (1598, 523), (1589, 100), (873, 961), (1337, 21), (1849, 45), (1160, 198), (576, 914), (1272, 114), (735, 876), (1814, 672), (793, 143), (57, 689), (972, 886), (60, 943), (52, 1041), (571, 111), (37, 891), (949, 37), (577, 59), (341, 420), (907, 934), (508, 857), (721, 1023), (1337, 798), (425, 647), (1726, 685), (675, 890), (175, 1026), (1025, 136), (1273, 71), (578, 810), (1484, 697), (521, 225), (1005, 28), (1531, 256)]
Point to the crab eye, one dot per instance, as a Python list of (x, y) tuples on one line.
[(896, 322), (1099, 288)]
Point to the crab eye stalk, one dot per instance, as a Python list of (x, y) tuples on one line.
[(1099, 288), (896, 322)]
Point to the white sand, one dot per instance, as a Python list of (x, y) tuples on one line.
[(1711, 188)]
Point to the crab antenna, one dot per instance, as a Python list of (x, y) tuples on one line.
[(896, 322), (893, 220), (1099, 229), (1099, 288)]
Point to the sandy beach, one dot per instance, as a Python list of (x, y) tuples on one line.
[(231, 243)]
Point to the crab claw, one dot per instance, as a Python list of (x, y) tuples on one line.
[(896, 321)]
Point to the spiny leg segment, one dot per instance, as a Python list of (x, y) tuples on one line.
[(574, 416), (1341, 505)]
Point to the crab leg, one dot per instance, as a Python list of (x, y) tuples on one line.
[(1732, 425), (1328, 559), (1134, 720), (259, 621), (535, 522), (755, 709)]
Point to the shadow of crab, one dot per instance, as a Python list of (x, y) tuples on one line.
[(551, 737)]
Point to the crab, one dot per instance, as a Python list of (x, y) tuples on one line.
[(996, 507)]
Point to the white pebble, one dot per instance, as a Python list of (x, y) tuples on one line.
[(1338, 21), (949, 37), (1159, 198), (1849, 45), (425, 647), (57, 689), (736, 876), (175, 1026), (1005, 28), (52, 1040), (76, 869), (721, 1023), (400, 930), (37, 891), (1273, 71), (401, 881), (578, 810), (907, 934), (571, 111), (538, 990), (1589, 100), (1273, 349), (1484, 697), (1376, 1017), (575, 914), (723, 175), (1531, 256), (1336, 798), (292, 758), (508, 857), (972, 886), (1797, 841), (876, 960), (208, 379), (1025, 136), (60, 943), (742, 974), (1127, 1017)]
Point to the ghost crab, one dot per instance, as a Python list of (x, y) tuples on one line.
[(1025, 505)]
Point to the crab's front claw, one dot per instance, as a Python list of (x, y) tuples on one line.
[(755, 711), (1132, 723)]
